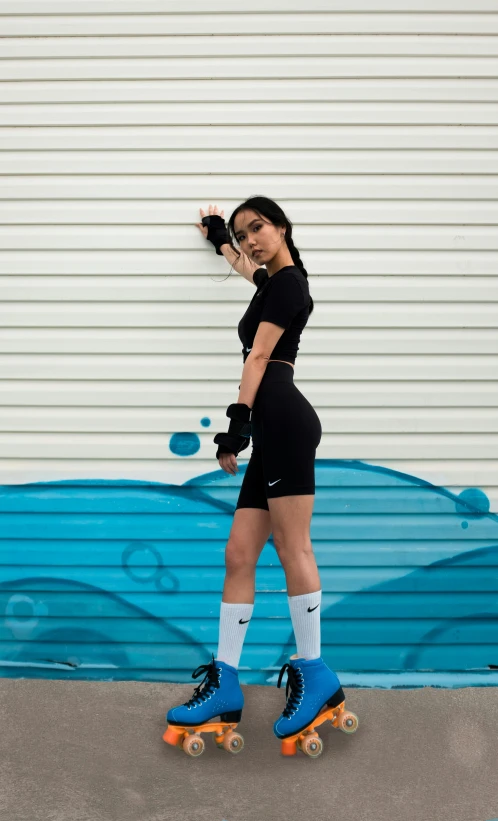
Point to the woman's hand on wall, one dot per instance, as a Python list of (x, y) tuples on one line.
[(217, 230), (212, 210)]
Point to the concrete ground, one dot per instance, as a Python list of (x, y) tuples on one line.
[(93, 751)]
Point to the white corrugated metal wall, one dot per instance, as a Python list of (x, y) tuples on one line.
[(374, 125)]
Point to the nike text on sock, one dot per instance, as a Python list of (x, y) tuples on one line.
[(234, 621), (305, 615)]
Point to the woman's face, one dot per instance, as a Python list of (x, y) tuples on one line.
[(253, 234)]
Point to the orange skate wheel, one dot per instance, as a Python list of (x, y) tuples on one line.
[(347, 722), (233, 742), (312, 745), (193, 745), (300, 738)]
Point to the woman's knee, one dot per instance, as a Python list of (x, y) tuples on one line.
[(249, 533), (290, 549), (240, 555)]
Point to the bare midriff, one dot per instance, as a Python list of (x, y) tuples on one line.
[(281, 360)]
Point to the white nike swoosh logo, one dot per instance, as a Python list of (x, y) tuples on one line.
[(273, 483)]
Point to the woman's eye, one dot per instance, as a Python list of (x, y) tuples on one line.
[(242, 235)]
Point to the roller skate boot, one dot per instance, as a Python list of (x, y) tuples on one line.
[(221, 696), (316, 696)]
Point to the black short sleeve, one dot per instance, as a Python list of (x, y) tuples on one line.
[(285, 298), (260, 276)]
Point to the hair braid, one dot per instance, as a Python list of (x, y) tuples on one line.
[(296, 258)]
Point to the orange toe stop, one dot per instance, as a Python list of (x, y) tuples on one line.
[(289, 748), (171, 736)]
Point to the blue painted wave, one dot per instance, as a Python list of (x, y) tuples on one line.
[(123, 579)]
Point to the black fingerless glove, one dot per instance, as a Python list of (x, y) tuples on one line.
[(217, 231), (239, 430)]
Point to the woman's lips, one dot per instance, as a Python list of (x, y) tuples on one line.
[(255, 254)]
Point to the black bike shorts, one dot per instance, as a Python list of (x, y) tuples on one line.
[(286, 432)]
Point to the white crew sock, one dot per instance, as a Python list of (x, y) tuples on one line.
[(306, 625), (232, 633)]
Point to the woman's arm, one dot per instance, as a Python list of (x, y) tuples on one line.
[(252, 374), (243, 265)]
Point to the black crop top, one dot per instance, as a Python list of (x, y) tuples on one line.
[(283, 299)]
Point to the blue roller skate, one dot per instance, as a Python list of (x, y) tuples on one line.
[(221, 696), (316, 696)]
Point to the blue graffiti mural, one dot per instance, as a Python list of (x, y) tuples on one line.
[(184, 444), (122, 579)]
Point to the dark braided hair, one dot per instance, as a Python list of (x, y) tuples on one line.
[(265, 207)]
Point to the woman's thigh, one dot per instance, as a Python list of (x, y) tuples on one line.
[(290, 518), (251, 526), (252, 490), (289, 432)]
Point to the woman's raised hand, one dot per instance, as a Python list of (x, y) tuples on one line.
[(212, 210)]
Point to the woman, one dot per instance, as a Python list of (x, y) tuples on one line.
[(277, 492)]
